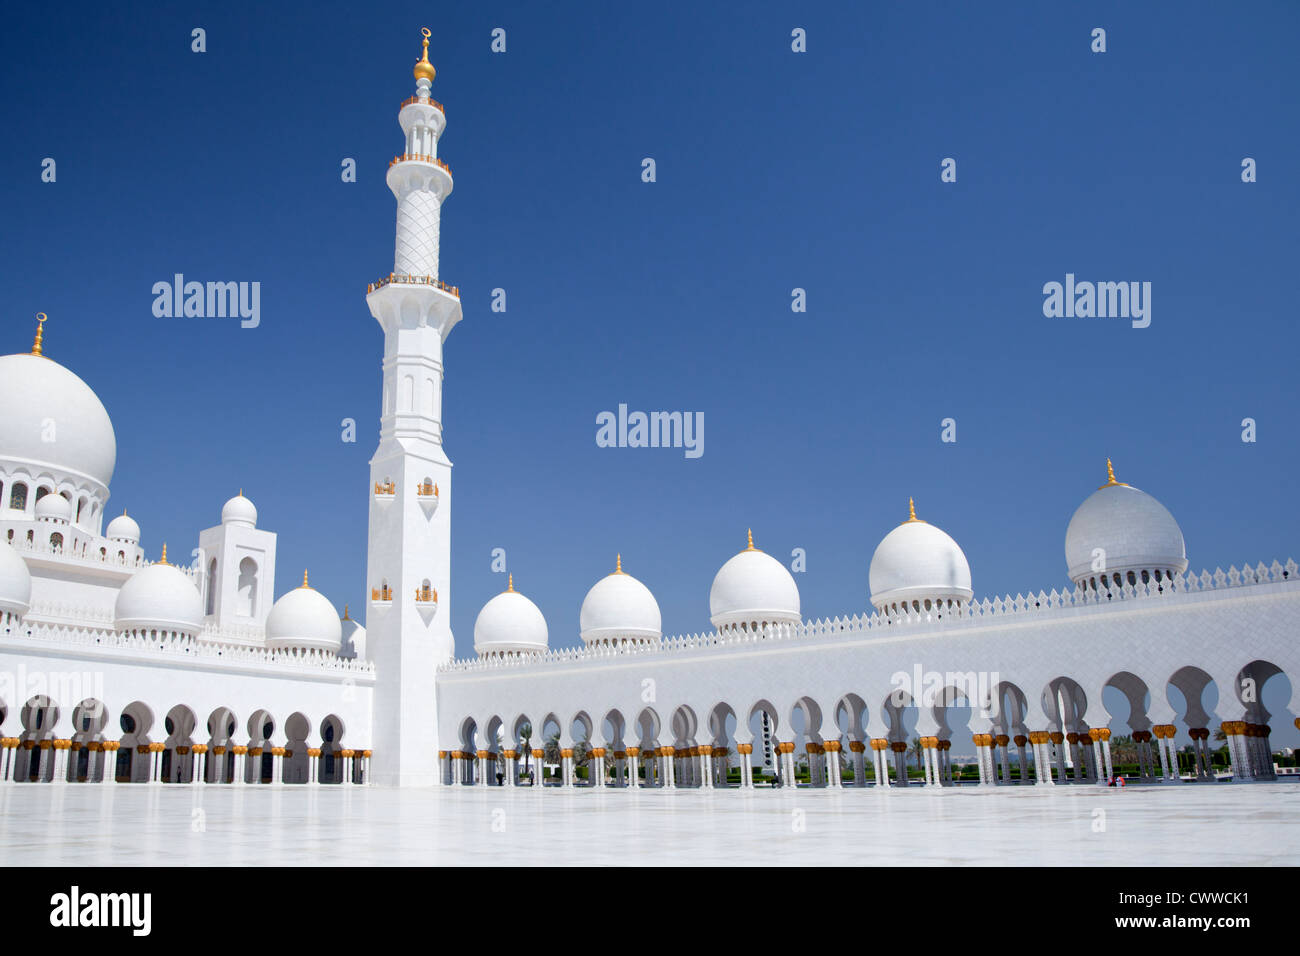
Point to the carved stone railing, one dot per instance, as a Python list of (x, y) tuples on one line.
[(1043, 605)]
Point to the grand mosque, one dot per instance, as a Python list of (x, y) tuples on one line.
[(121, 666)]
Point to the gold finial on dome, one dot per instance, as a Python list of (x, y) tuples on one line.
[(345, 613), (163, 559), (618, 564), (510, 583), (304, 579), (911, 513), (749, 534), (1110, 477), (424, 69), (40, 333)]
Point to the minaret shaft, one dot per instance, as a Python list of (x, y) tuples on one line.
[(409, 553)]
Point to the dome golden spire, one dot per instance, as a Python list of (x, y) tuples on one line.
[(911, 512), (345, 613), (1110, 477), (163, 559), (510, 583), (749, 534), (618, 564), (40, 332), (304, 579), (424, 69)]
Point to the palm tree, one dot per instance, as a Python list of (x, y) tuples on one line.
[(552, 749), (526, 732), (920, 754)]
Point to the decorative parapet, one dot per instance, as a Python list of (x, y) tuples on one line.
[(420, 158), (213, 648), (427, 101), (974, 613), (91, 557), (397, 278)]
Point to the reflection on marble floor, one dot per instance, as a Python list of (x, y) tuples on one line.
[(1193, 824)]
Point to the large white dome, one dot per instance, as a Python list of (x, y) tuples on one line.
[(916, 567), (1134, 532), (619, 608), (159, 598), (15, 581), (304, 618), (510, 624), (36, 391), (753, 589)]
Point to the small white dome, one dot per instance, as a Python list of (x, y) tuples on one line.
[(918, 563), (54, 507), (35, 390), (753, 588), (1134, 532), (304, 618), (239, 510), (123, 528), (353, 641), (510, 623), (15, 581), (159, 597), (619, 608)]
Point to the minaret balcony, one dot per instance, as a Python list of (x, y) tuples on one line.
[(397, 278), (381, 597), (385, 491), (426, 602), (419, 171), (426, 493), (420, 158), (427, 101)]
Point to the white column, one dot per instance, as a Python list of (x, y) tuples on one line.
[(747, 771), (1043, 763), (1164, 759), (60, 766)]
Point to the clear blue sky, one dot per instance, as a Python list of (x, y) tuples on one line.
[(775, 171)]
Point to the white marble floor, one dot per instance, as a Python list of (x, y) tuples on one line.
[(1222, 824)]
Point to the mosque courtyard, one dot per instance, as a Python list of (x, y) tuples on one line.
[(1162, 825)]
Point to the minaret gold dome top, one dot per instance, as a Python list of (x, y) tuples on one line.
[(424, 69), (1110, 477)]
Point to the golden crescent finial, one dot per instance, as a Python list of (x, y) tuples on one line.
[(163, 559), (40, 332), (345, 613), (424, 69), (618, 564), (749, 535), (510, 582), (304, 578)]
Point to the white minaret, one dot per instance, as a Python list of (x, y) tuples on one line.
[(409, 556)]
